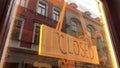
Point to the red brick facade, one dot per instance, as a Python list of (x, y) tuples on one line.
[(31, 16)]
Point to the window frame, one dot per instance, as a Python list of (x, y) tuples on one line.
[(25, 3), (21, 29), (90, 30), (55, 14), (46, 7), (74, 26), (34, 31)]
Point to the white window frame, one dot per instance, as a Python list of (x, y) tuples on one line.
[(15, 43), (36, 24), (24, 3), (57, 9), (90, 31), (21, 29), (46, 9)]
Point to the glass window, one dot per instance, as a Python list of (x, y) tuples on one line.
[(41, 9), (70, 47), (17, 29), (99, 44), (36, 35), (74, 26), (56, 14), (90, 31)]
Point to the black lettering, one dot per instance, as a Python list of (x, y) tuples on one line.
[(69, 47), (76, 48), (91, 53), (60, 38), (82, 54), (86, 50)]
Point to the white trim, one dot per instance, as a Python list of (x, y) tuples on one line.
[(42, 1), (36, 24), (56, 8), (34, 46), (25, 4), (15, 43), (22, 3), (21, 29)]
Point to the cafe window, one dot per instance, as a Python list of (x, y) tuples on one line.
[(36, 34), (24, 3), (60, 46), (41, 8), (17, 30), (56, 14)]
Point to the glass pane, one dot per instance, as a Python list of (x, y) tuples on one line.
[(43, 12), (77, 40), (74, 26), (55, 15), (90, 31), (39, 10)]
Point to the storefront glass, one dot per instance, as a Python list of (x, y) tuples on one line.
[(57, 34)]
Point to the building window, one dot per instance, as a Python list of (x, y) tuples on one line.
[(56, 14), (36, 34), (90, 31), (99, 46), (24, 3), (17, 30), (74, 26), (41, 8)]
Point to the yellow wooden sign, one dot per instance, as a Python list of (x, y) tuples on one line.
[(60, 45)]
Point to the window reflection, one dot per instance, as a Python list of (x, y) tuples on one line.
[(23, 46), (74, 26), (24, 3), (90, 31)]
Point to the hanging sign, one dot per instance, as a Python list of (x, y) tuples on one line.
[(60, 45)]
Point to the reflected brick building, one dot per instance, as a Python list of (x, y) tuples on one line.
[(25, 35)]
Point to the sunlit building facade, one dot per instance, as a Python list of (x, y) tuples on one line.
[(78, 23)]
